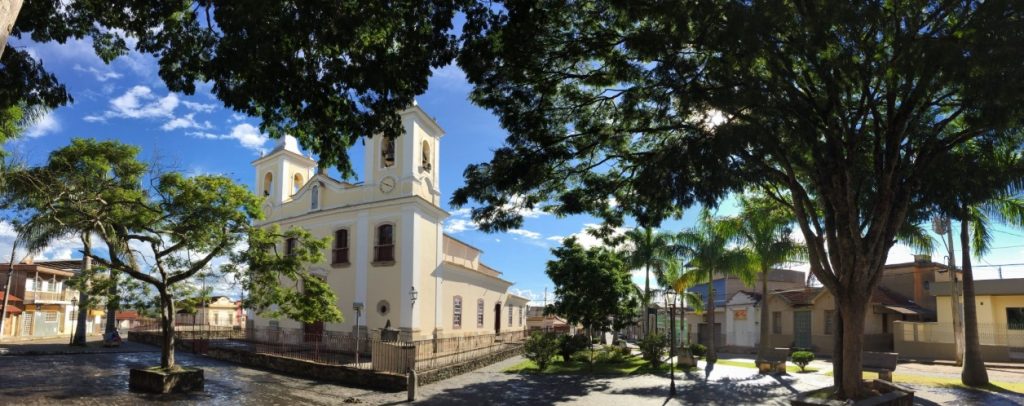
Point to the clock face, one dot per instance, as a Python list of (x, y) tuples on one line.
[(387, 184)]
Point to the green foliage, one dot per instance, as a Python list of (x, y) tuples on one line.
[(802, 358), (569, 345), (698, 350), (349, 67), (541, 348), (591, 285), (652, 347)]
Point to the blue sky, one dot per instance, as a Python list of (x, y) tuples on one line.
[(127, 101)]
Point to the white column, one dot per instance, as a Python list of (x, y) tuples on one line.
[(439, 278), (408, 147), (363, 238), (408, 266)]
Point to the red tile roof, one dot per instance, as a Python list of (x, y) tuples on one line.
[(10, 298), (126, 315), (799, 297)]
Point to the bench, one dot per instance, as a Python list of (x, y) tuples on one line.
[(884, 363), (774, 362)]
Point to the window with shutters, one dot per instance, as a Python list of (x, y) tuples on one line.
[(457, 312), (339, 254)]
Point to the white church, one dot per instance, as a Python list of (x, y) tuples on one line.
[(388, 257)]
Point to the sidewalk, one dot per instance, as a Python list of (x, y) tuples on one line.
[(59, 346)]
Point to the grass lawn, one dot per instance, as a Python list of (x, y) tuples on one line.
[(946, 382), (747, 364), (631, 366)]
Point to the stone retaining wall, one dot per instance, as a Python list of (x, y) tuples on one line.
[(441, 374)]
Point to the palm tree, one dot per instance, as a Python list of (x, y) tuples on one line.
[(710, 251), (764, 228), (650, 250), (673, 278), (1006, 208)]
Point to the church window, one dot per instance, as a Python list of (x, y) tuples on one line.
[(457, 312), (296, 183), (479, 313), (425, 161), (315, 198), (384, 250), (510, 316), (268, 181), (520, 316), (340, 252), (289, 246), (387, 152)]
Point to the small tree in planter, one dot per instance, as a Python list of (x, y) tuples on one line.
[(540, 348), (652, 348), (802, 358), (698, 350)]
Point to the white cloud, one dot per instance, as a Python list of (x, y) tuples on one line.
[(44, 125), (246, 134), (459, 221), (450, 78), (526, 233), (200, 107), (138, 102), (237, 117), (188, 121), (587, 240), (536, 298), (101, 75), (556, 238)]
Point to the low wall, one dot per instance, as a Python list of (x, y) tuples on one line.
[(932, 351), (930, 340), (305, 369), (441, 374)]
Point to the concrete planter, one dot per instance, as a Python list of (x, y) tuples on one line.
[(154, 380), (889, 394)]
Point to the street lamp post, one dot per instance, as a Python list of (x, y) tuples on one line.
[(74, 321), (670, 300), (358, 307)]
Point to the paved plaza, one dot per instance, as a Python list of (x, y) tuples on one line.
[(101, 378)]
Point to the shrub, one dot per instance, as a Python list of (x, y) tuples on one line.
[(540, 348), (652, 347), (698, 350), (802, 358), (569, 345)]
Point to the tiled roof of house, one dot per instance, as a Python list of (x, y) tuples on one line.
[(10, 298), (799, 297), (70, 266), (897, 302), (126, 315), (755, 295)]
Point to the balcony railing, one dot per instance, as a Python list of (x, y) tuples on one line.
[(45, 296)]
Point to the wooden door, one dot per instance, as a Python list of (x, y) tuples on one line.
[(802, 329), (497, 318)]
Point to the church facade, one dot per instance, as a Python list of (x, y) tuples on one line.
[(388, 257)]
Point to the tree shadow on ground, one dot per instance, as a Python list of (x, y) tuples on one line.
[(525, 389)]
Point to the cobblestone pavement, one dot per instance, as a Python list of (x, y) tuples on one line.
[(102, 379)]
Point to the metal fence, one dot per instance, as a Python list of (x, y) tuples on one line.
[(368, 351)]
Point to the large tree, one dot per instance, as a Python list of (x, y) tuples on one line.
[(847, 107), (325, 72), (592, 286)]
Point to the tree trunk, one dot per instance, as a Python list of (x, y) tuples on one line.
[(852, 307), (647, 300), (167, 327), (763, 346), (837, 351), (83, 296), (113, 303), (973, 372), (9, 10)]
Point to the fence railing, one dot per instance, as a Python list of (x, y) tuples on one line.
[(368, 351), (988, 333), (62, 296)]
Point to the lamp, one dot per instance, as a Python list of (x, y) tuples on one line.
[(413, 294), (670, 301)]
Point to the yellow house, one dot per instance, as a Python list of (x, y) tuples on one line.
[(389, 257), (1000, 307)]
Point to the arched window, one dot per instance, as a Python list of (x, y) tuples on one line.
[(296, 183), (387, 152), (457, 312), (315, 198), (268, 182), (425, 160), (384, 249), (479, 313), (340, 252)]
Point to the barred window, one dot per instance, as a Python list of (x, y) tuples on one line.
[(520, 316), (457, 312), (384, 250), (51, 316), (510, 316), (776, 322), (830, 316), (340, 252), (479, 313)]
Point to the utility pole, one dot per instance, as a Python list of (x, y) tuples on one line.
[(943, 225)]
